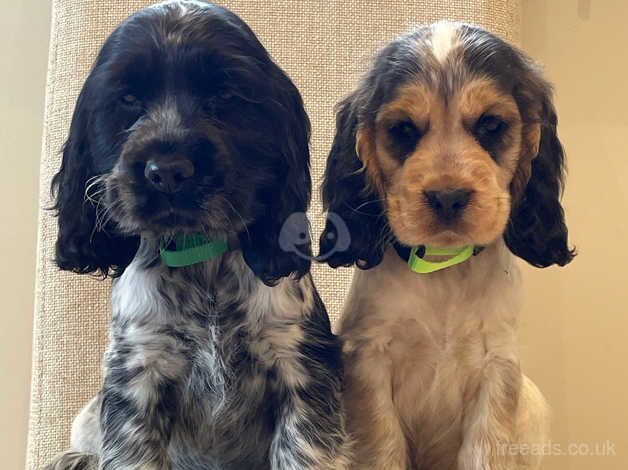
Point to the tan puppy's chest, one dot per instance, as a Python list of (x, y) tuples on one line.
[(433, 377), (427, 339)]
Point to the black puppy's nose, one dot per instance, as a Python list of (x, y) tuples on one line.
[(448, 204), (168, 175)]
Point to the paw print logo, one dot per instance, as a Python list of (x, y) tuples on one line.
[(337, 238), (295, 233)]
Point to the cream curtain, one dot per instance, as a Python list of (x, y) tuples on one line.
[(322, 44)]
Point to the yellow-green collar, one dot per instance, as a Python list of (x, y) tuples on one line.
[(419, 265)]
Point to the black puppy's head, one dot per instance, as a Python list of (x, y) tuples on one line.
[(185, 124)]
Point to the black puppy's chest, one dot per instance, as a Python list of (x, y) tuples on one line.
[(228, 406), (191, 335)]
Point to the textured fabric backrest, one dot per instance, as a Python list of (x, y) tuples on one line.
[(323, 45)]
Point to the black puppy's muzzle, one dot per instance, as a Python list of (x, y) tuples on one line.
[(168, 178), (170, 165)]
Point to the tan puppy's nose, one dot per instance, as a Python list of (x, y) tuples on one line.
[(448, 204)]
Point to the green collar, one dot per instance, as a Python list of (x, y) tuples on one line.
[(419, 265), (192, 249)]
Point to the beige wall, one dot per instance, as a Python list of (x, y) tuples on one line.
[(575, 325), (575, 322), (24, 30)]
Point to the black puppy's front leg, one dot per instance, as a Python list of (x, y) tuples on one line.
[(310, 431), (139, 402)]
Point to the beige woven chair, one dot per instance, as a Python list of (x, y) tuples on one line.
[(322, 44)]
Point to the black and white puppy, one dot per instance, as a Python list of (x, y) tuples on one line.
[(186, 125)]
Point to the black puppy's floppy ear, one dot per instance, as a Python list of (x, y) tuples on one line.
[(356, 228), (81, 246), (278, 243), (537, 231)]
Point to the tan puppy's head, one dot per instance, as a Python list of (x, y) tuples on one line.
[(449, 140)]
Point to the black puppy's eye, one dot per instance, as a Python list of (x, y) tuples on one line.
[(210, 106), (130, 100), (213, 104), (405, 136), (225, 95)]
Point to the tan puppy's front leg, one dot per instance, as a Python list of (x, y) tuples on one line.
[(533, 425), (489, 426), (372, 419)]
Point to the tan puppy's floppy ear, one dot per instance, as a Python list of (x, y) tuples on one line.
[(349, 194), (365, 150), (537, 231), (530, 142)]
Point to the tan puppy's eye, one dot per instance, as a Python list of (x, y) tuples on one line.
[(488, 130), (404, 136), (489, 126)]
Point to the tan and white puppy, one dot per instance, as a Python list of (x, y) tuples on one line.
[(449, 140)]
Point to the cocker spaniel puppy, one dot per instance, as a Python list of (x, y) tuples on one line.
[(445, 163), (187, 154)]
